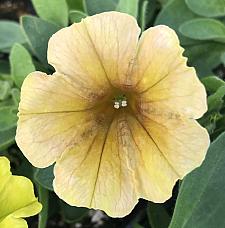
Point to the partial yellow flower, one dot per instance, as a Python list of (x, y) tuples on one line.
[(117, 116), (17, 199)]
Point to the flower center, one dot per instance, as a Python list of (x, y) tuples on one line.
[(120, 101)]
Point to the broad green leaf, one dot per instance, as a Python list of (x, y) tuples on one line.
[(76, 16), (98, 6), (52, 11), (10, 34), (163, 2), (75, 5), (45, 177), (212, 83), (204, 29), (157, 215), (38, 33), (223, 58), (16, 96), (205, 57), (128, 6), (220, 127), (207, 8), (5, 88), (200, 202), (7, 138), (215, 101), (8, 117), (173, 14), (43, 196), (21, 64), (143, 14), (17, 199), (72, 214)]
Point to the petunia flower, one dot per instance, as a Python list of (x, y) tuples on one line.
[(117, 116), (17, 199)]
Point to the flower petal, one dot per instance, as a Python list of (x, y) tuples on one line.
[(162, 76), (54, 112), (44, 137), (43, 93), (183, 142), (17, 199), (116, 167), (98, 49)]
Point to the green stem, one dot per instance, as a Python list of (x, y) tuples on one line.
[(43, 198)]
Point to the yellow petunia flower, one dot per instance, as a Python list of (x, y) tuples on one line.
[(117, 116), (17, 199)]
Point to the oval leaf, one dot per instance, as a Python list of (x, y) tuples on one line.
[(8, 117), (45, 177), (129, 7), (52, 10), (207, 8), (174, 20), (10, 34), (201, 198), (99, 6), (38, 33), (204, 29), (7, 138), (77, 16), (21, 64), (212, 83)]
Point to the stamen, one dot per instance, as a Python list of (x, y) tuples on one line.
[(120, 101)]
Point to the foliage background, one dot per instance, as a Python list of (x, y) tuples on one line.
[(25, 27)]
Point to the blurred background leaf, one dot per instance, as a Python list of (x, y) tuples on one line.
[(200, 202), (207, 8), (52, 11), (21, 64), (10, 33)]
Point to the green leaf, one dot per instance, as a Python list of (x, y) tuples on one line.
[(215, 101), (212, 83), (72, 214), (173, 14), (204, 60), (44, 200), (77, 16), (8, 117), (75, 5), (45, 177), (7, 138), (38, 33), (163, 2), (223, 58), (99, 6), (200, 203), (52, 11), (16, 96), (144, 9), (5, 88), (129, 7), (157, 215), (204, 29), (10, 34), (21, 64), (207, 8)]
